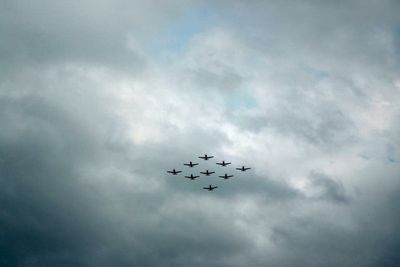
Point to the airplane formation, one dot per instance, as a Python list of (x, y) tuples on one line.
[(208, 172)]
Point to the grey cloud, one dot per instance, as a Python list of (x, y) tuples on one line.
[(391, 153), (370, 241), (208, 79), (330, 33), (65, 200), (46, 212), (323, 243), (94, 32), (330, 189), (320, 124), (50, 215), (77, 190)]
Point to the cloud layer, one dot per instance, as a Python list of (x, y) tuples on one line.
[(99, 99)]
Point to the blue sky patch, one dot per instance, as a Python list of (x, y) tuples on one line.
[(240, 99), (176, 35)]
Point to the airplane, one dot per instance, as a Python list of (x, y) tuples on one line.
[(206, 157), (207, 173), (190, 164), (191, 177), (174, 172), (226, 176), (223, 163), (210, 188), (243, 169)]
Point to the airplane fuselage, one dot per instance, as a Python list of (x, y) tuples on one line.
[(190, 164), (223, 163), (226, 176), (206, 157), (243, 169), (207, 173), (174, 172), (191, 177), (210, 188)]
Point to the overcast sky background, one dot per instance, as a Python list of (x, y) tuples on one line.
[(98, 98)]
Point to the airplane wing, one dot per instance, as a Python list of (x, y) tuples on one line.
[(239, 169), (210, 157), (170, 171), (213, 187), (186, 164), (247, 168), (219, 163), (194, 164), (206, 188), (202, 157), (227, 163), (222, 176), (211, 172), (203, 172), (178, 171)]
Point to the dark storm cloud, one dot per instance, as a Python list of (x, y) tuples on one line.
[(47, 215), (324, 244), (84, 149), (53, 213), (50, 215), (372, 242), (65, 200)]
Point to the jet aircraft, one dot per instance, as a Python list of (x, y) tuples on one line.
[(206, 157), (190, 164), (243, 169), (223, 163), (210, 188), (207, 173), (191, 177), (174, 172), (226, 176)]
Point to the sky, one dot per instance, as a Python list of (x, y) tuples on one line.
[(98, 99)]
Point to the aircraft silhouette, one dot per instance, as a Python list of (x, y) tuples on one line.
[(243, 169), (223, 163), (174, 172), (206, 157), (191, 177), (210, 188), (226, 176), (190, 164), (207, 173)]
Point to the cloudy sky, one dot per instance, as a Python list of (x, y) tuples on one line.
[(99, 98)]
